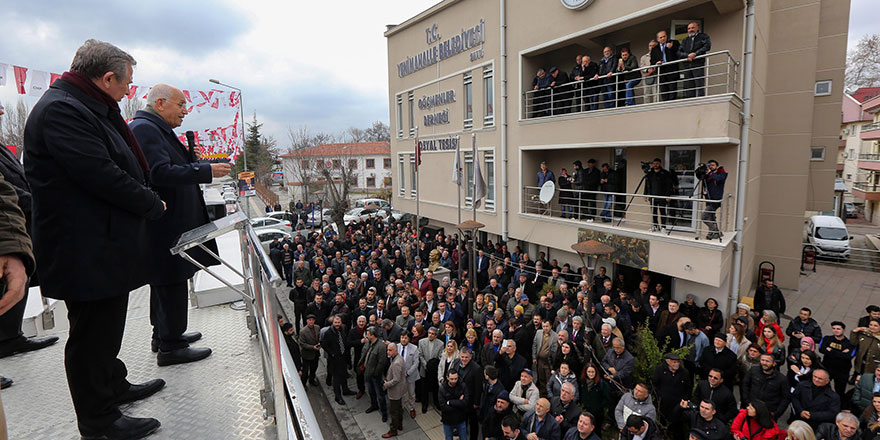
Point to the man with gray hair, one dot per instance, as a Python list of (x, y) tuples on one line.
[(540, 94), (845, 427), (429, 359), (176, 175), (87, 171)]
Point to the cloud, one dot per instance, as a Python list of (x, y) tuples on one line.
[(862, 20)]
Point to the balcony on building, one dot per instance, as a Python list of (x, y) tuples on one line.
[(870, 132), (868, 189), (707, 97), (869, 161)]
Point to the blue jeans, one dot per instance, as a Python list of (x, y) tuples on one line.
[(630, 92), (608, 96), (377, 395), (461, 427), (567, 211), (606, 208)]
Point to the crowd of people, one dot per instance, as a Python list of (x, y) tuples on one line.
[(544, 351), (612, 81)]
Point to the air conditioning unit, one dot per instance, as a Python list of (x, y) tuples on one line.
[(844, 155), (846, 132)]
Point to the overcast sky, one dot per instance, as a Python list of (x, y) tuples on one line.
[(321, 64)]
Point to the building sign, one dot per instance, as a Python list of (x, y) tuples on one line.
[(460, 42), (429, 102), (576, 4), (628, 251), (442, 144)]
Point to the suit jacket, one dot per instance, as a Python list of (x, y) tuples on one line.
[(395, 379), (549, 429), (308, 338), (176, 177), (373, 358), (411, 361), (823, 403), (671, 55), (699, 44), (428, 350), (90, 199)]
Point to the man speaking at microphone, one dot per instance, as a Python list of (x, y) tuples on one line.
[(175, 175)]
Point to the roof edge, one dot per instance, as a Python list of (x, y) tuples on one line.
[(419, 17)]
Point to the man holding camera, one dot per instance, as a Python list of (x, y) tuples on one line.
[(713, 177), (661, 184)]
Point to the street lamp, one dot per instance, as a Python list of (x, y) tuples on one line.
[(241, 113)]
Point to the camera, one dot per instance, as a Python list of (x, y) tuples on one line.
[(646, 167), (701, 171)]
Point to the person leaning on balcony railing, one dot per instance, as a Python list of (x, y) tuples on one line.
[(608, 183), (567, 200), (540, 99), (606, 68), (713, 177), (649, 91), (694, 70), (545, 175), (561, 91), (666, 51), (626, 82), (577, 89), (659, 183)]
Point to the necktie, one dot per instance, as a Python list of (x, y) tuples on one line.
[(404, 352), (341, 342), (663, 51)]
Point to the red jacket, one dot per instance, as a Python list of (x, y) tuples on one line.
[(759, 327), (747, 428)]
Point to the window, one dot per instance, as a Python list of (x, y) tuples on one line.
[(352, 164), (386, 181), (852, 154), (817, 154), (469, 178), (371, 163), (386, 163), (412, 174), (305, 164), (337, 164), (319, 164), (371, 182), (490, 180), (401, 180), (822, 88), (400, 116), (488, 96), (849, 177), (468, 101), (412, 115)]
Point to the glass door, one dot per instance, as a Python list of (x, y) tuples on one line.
[(681, 162)]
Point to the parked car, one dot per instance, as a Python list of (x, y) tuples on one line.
[(280, 215), (259, 223), (411, 218), (267, 235), (851, 210), (828, 234), (392, 214), (316, 218), (362, 203), (359, 214)]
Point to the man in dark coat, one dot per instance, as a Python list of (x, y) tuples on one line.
[(88, 173), (665, 52), (561, 101), (333, 343), (764, 382), (673, 384), (720, 357), (16, 256), (12, 340), (712, 388), (591, 178), (661, 184), (769, 297), (694, 70), (176, 176), (814, 401)]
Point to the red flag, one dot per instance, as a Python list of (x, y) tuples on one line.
[(20, 78), (132, 91), (54, 76)]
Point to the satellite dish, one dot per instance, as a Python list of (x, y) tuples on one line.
[(547, 192)]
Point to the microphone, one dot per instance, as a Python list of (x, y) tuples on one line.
[(191, 142)]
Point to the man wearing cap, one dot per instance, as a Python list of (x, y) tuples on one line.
[(672, 383), (561, 102), (524, 394), (539, 424), (491, 424), (720, 357), (310, 348), (743, 312)]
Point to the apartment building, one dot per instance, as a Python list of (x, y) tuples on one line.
[(369, 162), (764, 102), (860, 155)]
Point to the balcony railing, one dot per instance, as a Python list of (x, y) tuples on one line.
[(869, 156), (685, 216), (866, 187), (871, 127), (711, 74)]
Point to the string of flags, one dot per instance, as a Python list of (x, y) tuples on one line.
[(217, 142)]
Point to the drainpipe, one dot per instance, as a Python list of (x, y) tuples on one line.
[(743, 164), (503, 23)]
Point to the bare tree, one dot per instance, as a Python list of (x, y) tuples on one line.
[(863, 63), (323, 138), (131, 106), (356, 134), (339, 176), (301, 168), (300, 137), (12, 128), (378, 132)]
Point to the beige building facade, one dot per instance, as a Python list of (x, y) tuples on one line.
[(463, 73)]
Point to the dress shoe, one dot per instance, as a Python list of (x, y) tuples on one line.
[(371, 409), (27, 344), (384, 418), (140, 391), (182, 356), (126, 427), (389, 434), (424, 409), (313, 382), (340, 401), (412, 413), (5, 382), (359, 395), (189, 337), (348, 393)]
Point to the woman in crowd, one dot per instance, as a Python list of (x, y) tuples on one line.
[(800, 430), (569, 354), (754, 423), (595, 393), (561, 376), (769, 319), (447, 357), (743, 313), (737, 341), (794, 356), (418, 332), (870, 420), (449, 332), (471, 341), (867, 344), (770, 343), (751, 358), (803, 369), (709, 319)]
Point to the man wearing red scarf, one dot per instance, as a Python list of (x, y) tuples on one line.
[(91, 204)]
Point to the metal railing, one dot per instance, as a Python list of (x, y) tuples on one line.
[(866, 187), (710, 74), (283, 395), (869, 156), (686, 216), (871, 127)]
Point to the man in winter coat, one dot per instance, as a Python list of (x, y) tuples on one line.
[(641, 428), (768, 297), (661, 184), (804, 326), (814, 401), (845, 427), (471, 376), (524, 394), (374, 361), (766, 383), (395, 386), (539, 422), (672, 382), (713, 190), (454, 406), (637, 402)]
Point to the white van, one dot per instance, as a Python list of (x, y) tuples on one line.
[(362, 203), (828, 234)]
